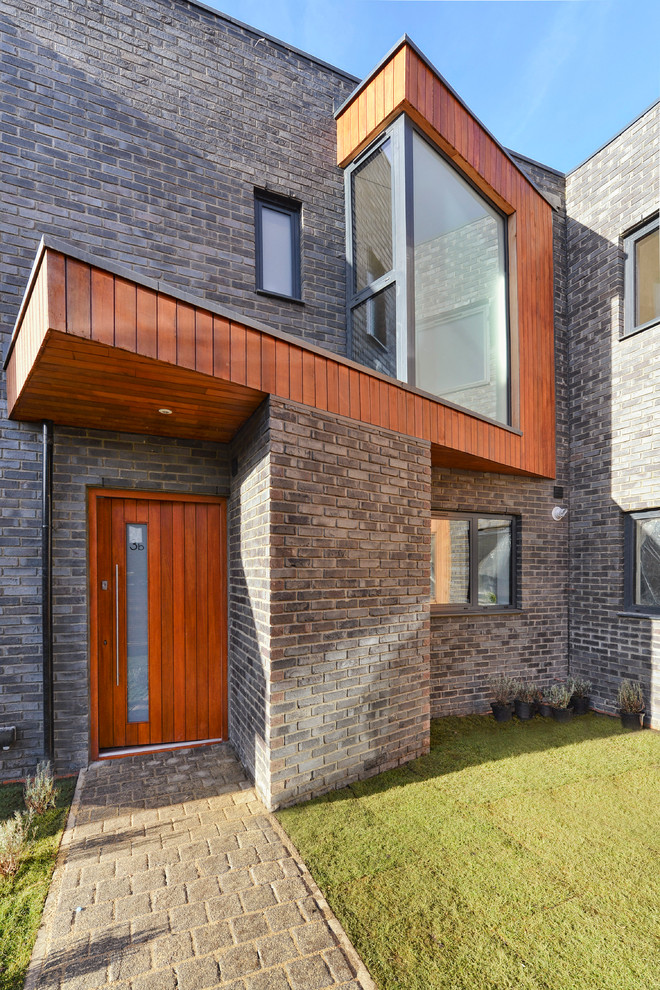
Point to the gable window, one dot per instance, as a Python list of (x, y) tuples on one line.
[(642, 556), (473, 561), (428, 286), (277, 224), (642, 278)]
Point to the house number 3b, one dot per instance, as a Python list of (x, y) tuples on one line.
[(136, 546)]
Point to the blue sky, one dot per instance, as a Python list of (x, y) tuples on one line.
[(552, 79)]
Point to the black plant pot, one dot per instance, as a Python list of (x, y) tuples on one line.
[(562, 714), (580, 704), (632, 720), (544, 709), (502, 713), (524, 710)]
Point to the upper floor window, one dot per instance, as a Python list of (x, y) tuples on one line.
[(428, 274), (277, 223), (642, 277), (642, 561)]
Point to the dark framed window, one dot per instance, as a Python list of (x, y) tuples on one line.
[(277, 226), (642, 278), (642, 561), (473, 561), (428, 282)]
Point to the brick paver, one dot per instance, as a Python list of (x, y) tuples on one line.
[(173, 875)]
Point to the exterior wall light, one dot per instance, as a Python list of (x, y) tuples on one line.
[(558, 513), (165, 412)]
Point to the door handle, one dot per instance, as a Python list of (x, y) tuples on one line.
[(117, 620)]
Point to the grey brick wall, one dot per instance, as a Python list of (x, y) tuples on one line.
[(615, 416), (140, 133), (349, 601), (249, 514), (90, 458)]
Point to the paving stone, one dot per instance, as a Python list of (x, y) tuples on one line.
[(313, 937), (181, 872), (173, 949), (257, 898), (338, 965), (169, 897), (213, 865), (283, 916), (277, 949), (148, 926), (202, 890), (291, 889), (227, 906), (129, 963), (274, 979), (309, 974), (187, 917), (238, 961), (197, 974), (164, 979), (94, 916), (148, 881), (247, 856), (235, 880), (249, 926), (210, 938), (132, 907), (267, 872)]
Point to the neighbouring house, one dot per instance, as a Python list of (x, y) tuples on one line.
[(297, 367)]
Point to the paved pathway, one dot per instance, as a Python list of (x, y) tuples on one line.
[(172, 876)]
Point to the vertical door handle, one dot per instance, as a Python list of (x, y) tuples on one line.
[(117, 619)]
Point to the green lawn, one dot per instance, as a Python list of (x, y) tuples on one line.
[(522, 855), (22, 897)]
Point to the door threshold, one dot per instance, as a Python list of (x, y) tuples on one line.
[(113, 754)]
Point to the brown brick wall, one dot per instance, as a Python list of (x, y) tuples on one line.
[(349, 601)]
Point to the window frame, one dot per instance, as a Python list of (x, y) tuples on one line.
[(402, 274), (629, 555), (292, 209), (630, 278), (473, 607)]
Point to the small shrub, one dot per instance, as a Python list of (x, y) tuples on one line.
[(526, 692), (15, 838), (559, 696), (40, 792), (502, 689), (630, 696), (579, 686)]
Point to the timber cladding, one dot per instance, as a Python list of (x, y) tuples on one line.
[(96, 349), (406, 83)]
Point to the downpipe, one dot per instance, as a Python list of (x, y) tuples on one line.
[(46, 584)]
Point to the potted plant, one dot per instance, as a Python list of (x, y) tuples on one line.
[(630, 698), (502, 690), (543, 705), (524, 699), (580, 700), (559, 697)]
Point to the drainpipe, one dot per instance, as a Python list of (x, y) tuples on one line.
[(46, 585)]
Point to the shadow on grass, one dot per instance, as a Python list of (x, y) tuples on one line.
[(458, 743)]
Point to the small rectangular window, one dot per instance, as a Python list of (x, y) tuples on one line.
[(473, 562), (642, 278), (277, 223), (642, 552)]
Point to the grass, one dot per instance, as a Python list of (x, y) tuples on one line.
[(22, 897), (522, 855)]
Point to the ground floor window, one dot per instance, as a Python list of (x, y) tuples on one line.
[(642, 554), (473, 565)]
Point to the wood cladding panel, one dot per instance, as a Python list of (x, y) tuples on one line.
[(213, 372)]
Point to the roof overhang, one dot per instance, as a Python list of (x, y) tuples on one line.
[(96, 346)]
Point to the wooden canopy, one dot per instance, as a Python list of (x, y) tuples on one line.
[(96, 347)]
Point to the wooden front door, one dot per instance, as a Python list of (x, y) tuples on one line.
[(158, 619)]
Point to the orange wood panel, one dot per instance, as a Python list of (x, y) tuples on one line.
[(125, 314), (78, 298), (295, 374), (203, 342), (185, 335), (56, 280), (252, 358), (267, 364), (221, 348), (186, 617), (167, 347), (147, 322)]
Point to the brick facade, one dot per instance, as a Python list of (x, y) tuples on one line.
[(141, 134), (615, 418)]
